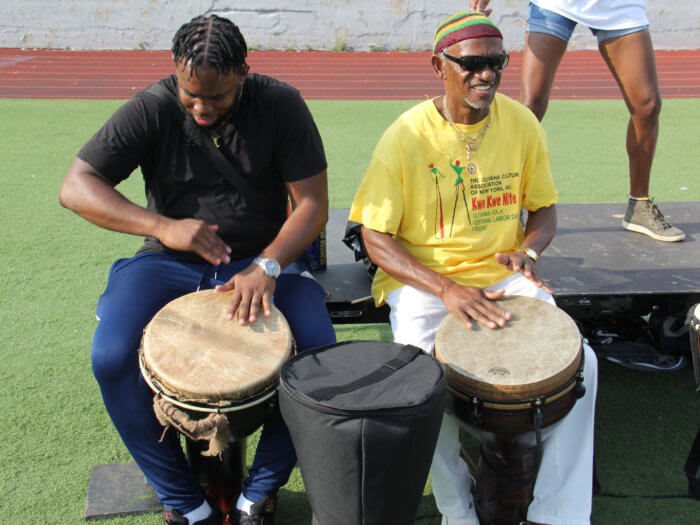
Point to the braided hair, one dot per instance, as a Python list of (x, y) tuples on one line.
[(211, 41)]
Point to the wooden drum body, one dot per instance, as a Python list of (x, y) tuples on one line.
[(214, 380), (506, 385)]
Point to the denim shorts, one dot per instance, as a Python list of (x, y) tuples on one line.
[(544, 21)]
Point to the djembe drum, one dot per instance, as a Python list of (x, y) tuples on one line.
[(215, 381), (507, 385)]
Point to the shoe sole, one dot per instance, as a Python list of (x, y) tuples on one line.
[(647, 231)]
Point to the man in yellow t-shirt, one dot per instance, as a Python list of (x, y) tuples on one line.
[(440, 205)]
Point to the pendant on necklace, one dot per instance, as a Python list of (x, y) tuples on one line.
[(471, 168), (215, 139)]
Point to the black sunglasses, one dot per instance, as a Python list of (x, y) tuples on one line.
[(477, 63)]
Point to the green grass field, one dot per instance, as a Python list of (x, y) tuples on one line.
[(53, 267)]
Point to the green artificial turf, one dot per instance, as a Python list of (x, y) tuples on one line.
[(53, 267)]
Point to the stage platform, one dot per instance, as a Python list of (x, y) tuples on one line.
[(593, 266)]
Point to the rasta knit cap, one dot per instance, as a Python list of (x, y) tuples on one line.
[(463, 26)]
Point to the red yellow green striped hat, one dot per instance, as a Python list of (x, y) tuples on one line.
[(463, 26)]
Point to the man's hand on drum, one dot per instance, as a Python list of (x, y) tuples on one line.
[(194, 235), (251, 288), (523, 263), (470, 303), (480, 5)]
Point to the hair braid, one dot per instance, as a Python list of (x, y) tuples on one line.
[(212, 41)]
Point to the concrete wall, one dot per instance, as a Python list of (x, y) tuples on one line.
[(292, 24)]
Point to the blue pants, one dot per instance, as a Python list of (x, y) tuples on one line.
[(136, 290)]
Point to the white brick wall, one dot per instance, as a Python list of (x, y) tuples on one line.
[(297, 24)]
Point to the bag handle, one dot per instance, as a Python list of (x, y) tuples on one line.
[(213, 154), (405, 356)]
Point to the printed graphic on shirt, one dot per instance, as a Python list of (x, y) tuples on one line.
[(459, 187), (485, 199), (439, 218)]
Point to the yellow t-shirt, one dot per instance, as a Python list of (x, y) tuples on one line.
[(418, 187)]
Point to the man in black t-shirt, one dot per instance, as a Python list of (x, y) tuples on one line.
[(204, 228)]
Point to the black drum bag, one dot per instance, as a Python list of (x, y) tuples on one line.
[(364, 417)]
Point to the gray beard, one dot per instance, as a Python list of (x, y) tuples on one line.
[(472, 105)]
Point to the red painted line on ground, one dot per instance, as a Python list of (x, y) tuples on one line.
[(53, 74)]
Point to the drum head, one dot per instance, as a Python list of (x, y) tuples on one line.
[(537, 352), (196, 354)]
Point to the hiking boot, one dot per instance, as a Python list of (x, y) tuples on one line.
[(645, 217), (261, 513), (172, 517)]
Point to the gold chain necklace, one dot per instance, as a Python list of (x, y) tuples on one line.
[(471, 144)]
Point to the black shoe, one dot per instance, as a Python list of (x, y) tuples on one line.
[(261, 513), (172, 517)]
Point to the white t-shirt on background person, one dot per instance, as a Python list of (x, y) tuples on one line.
[(600, 14)]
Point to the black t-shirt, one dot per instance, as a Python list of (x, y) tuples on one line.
[(270, 136)]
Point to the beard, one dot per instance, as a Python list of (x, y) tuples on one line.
[(478, 105), (481, 104), (194, 133)]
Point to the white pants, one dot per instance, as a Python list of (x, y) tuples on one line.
[(563, 490)]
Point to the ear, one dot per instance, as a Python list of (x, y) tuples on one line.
[(245, 69), (438, 66), (180, 65)]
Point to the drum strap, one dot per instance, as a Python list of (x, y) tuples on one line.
[(691, 468), (405, 356)]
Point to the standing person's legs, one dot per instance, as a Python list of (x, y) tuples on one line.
[(630, 58), (136, 290), (545, 43)]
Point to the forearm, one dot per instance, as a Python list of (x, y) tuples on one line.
[(466, 302), (400, 264), (309, 216), (91, 196), (298, 232), (540, 228)]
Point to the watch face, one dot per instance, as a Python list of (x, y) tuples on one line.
[(271, 267), (531, 253)]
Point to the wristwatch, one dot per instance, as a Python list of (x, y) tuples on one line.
[(532, 254), (270, 266)]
